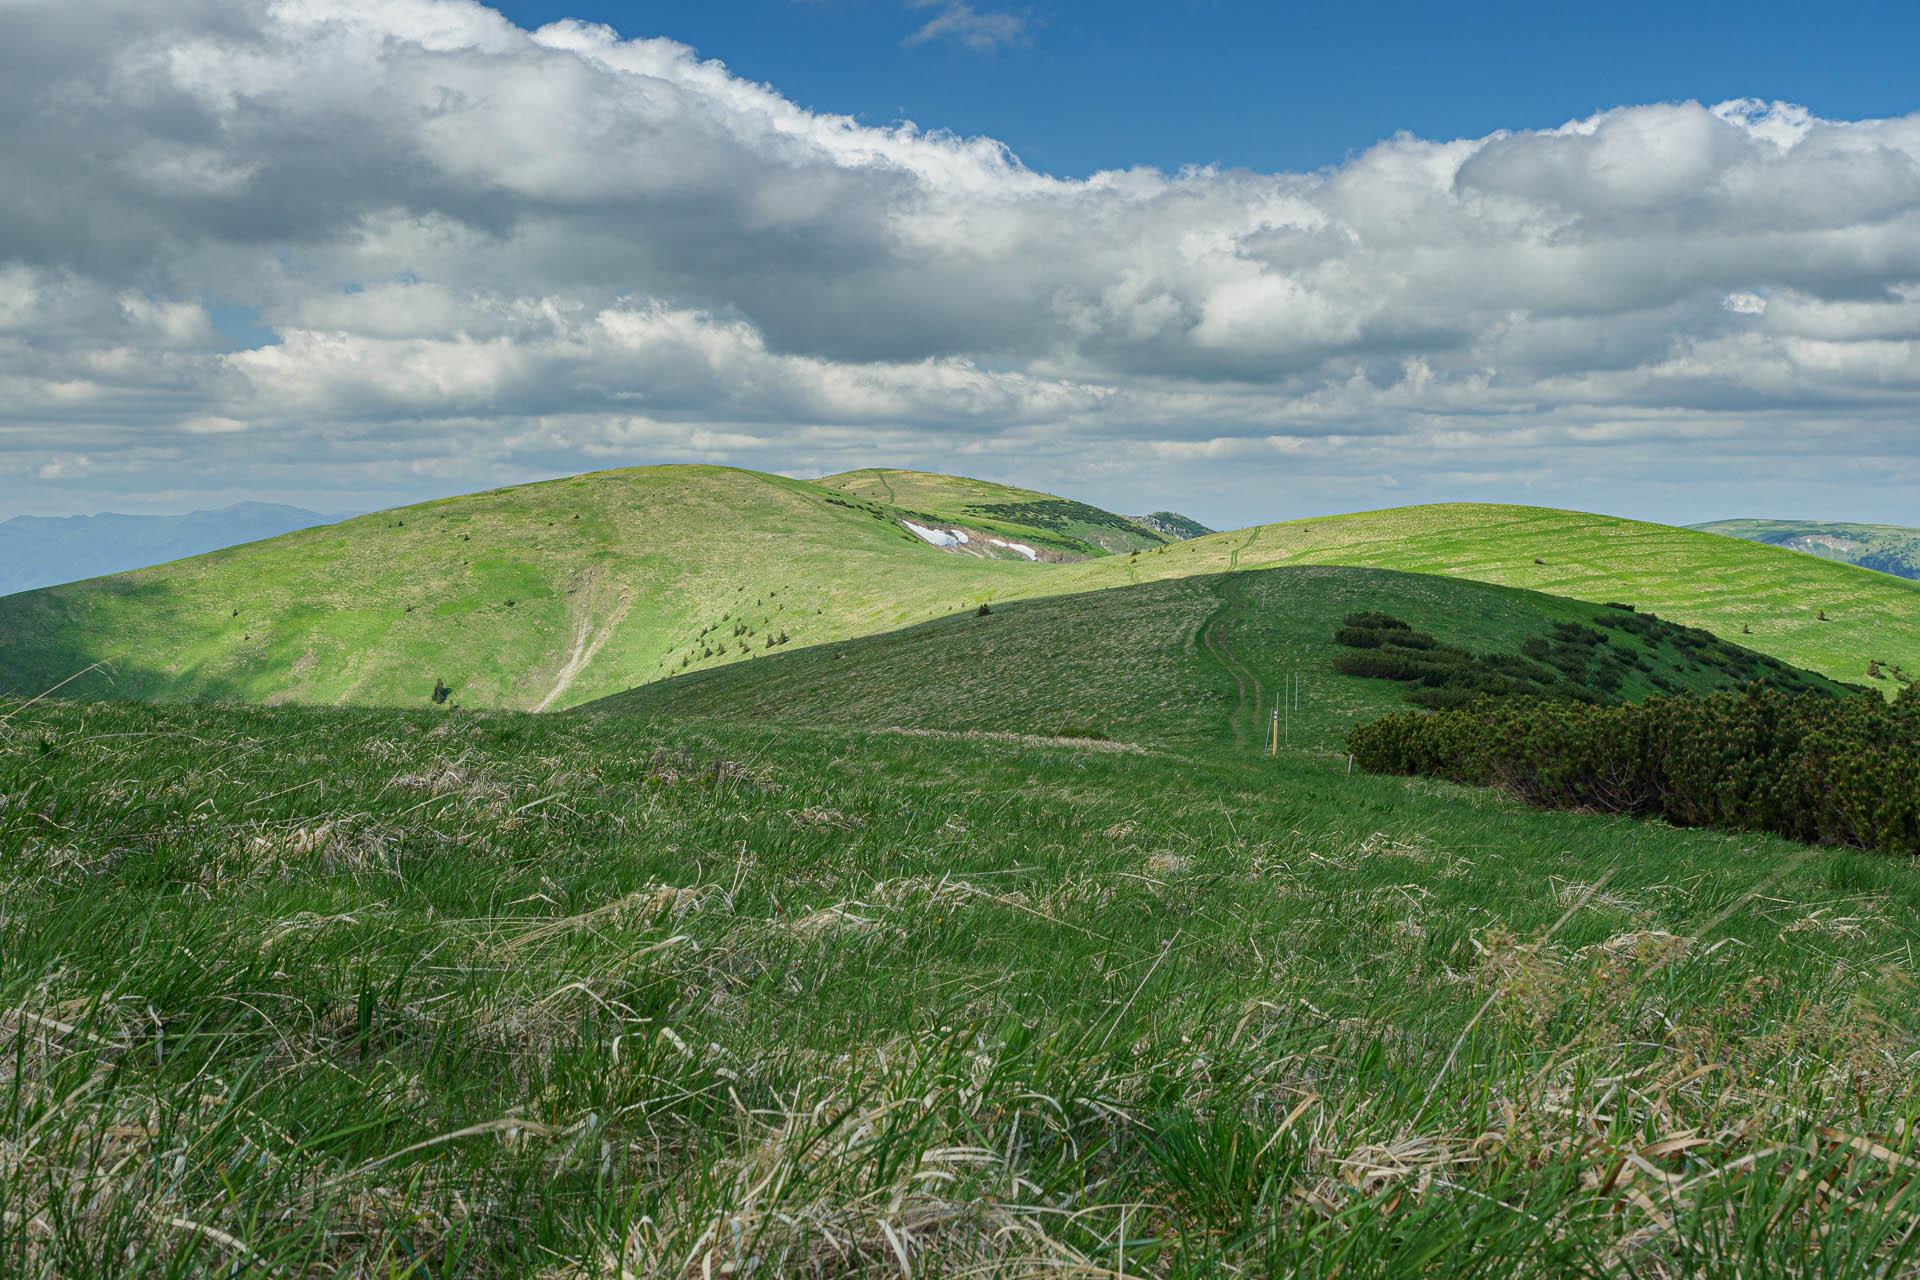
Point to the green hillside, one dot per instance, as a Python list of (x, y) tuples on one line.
[(1762, 597), (986, 941), (530, 597), (544, 596), (1040, 519), (1888, 548), (1189, 662)]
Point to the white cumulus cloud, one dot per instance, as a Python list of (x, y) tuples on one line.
[(489, 253)]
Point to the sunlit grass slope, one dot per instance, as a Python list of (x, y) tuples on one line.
[(309, 992), (1042, 519), (1765, 598), (1196, 662), (530, 597)]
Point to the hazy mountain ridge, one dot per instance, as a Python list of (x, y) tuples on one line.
[(1887, 548), (43, 551)]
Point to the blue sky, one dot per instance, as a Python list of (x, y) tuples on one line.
[(1283, 85), (1657, 261)]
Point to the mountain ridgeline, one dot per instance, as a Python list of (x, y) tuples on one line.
[(1173, 525), (545, 596), (1061, 527), (40, 551)]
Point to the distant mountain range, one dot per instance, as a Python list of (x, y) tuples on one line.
[(41, 551), (1886, 547)]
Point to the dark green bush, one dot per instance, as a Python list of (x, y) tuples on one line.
[(1806, 766), (1408, 639), (1573, 662), (1441, 675), (1574, 633)]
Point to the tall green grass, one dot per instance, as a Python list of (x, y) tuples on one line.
[(309, 992)]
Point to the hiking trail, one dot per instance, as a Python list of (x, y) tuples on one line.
[(1216, 633)]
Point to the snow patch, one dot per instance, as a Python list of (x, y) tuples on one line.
[(935, 537), (958, 538)]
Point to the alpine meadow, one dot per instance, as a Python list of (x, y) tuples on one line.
[(901, 909), (985, 641)]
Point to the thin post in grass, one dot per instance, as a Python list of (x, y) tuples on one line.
[(56, 688)]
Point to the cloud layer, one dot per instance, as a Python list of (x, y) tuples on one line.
[(490, 253)]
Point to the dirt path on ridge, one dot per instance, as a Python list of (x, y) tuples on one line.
[(1233, 560), (586, 643)]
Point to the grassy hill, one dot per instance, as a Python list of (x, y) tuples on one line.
[(548, 595), (303, 991), (1888, 548), (1196, 662), (1041, 519), (530, 597), (1758, 596)]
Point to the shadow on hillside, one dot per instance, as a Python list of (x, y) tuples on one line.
[(51, 638)]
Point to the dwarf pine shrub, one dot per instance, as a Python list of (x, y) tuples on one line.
[(1805, 766)]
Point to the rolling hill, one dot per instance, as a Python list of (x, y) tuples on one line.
[(930, 941), (544, 596), (1888, 548), (311, 991), (1822, 615), (1192, 662), (529, 597), (1173, 526)]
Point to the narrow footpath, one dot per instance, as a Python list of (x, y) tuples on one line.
[(1216, 634)]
